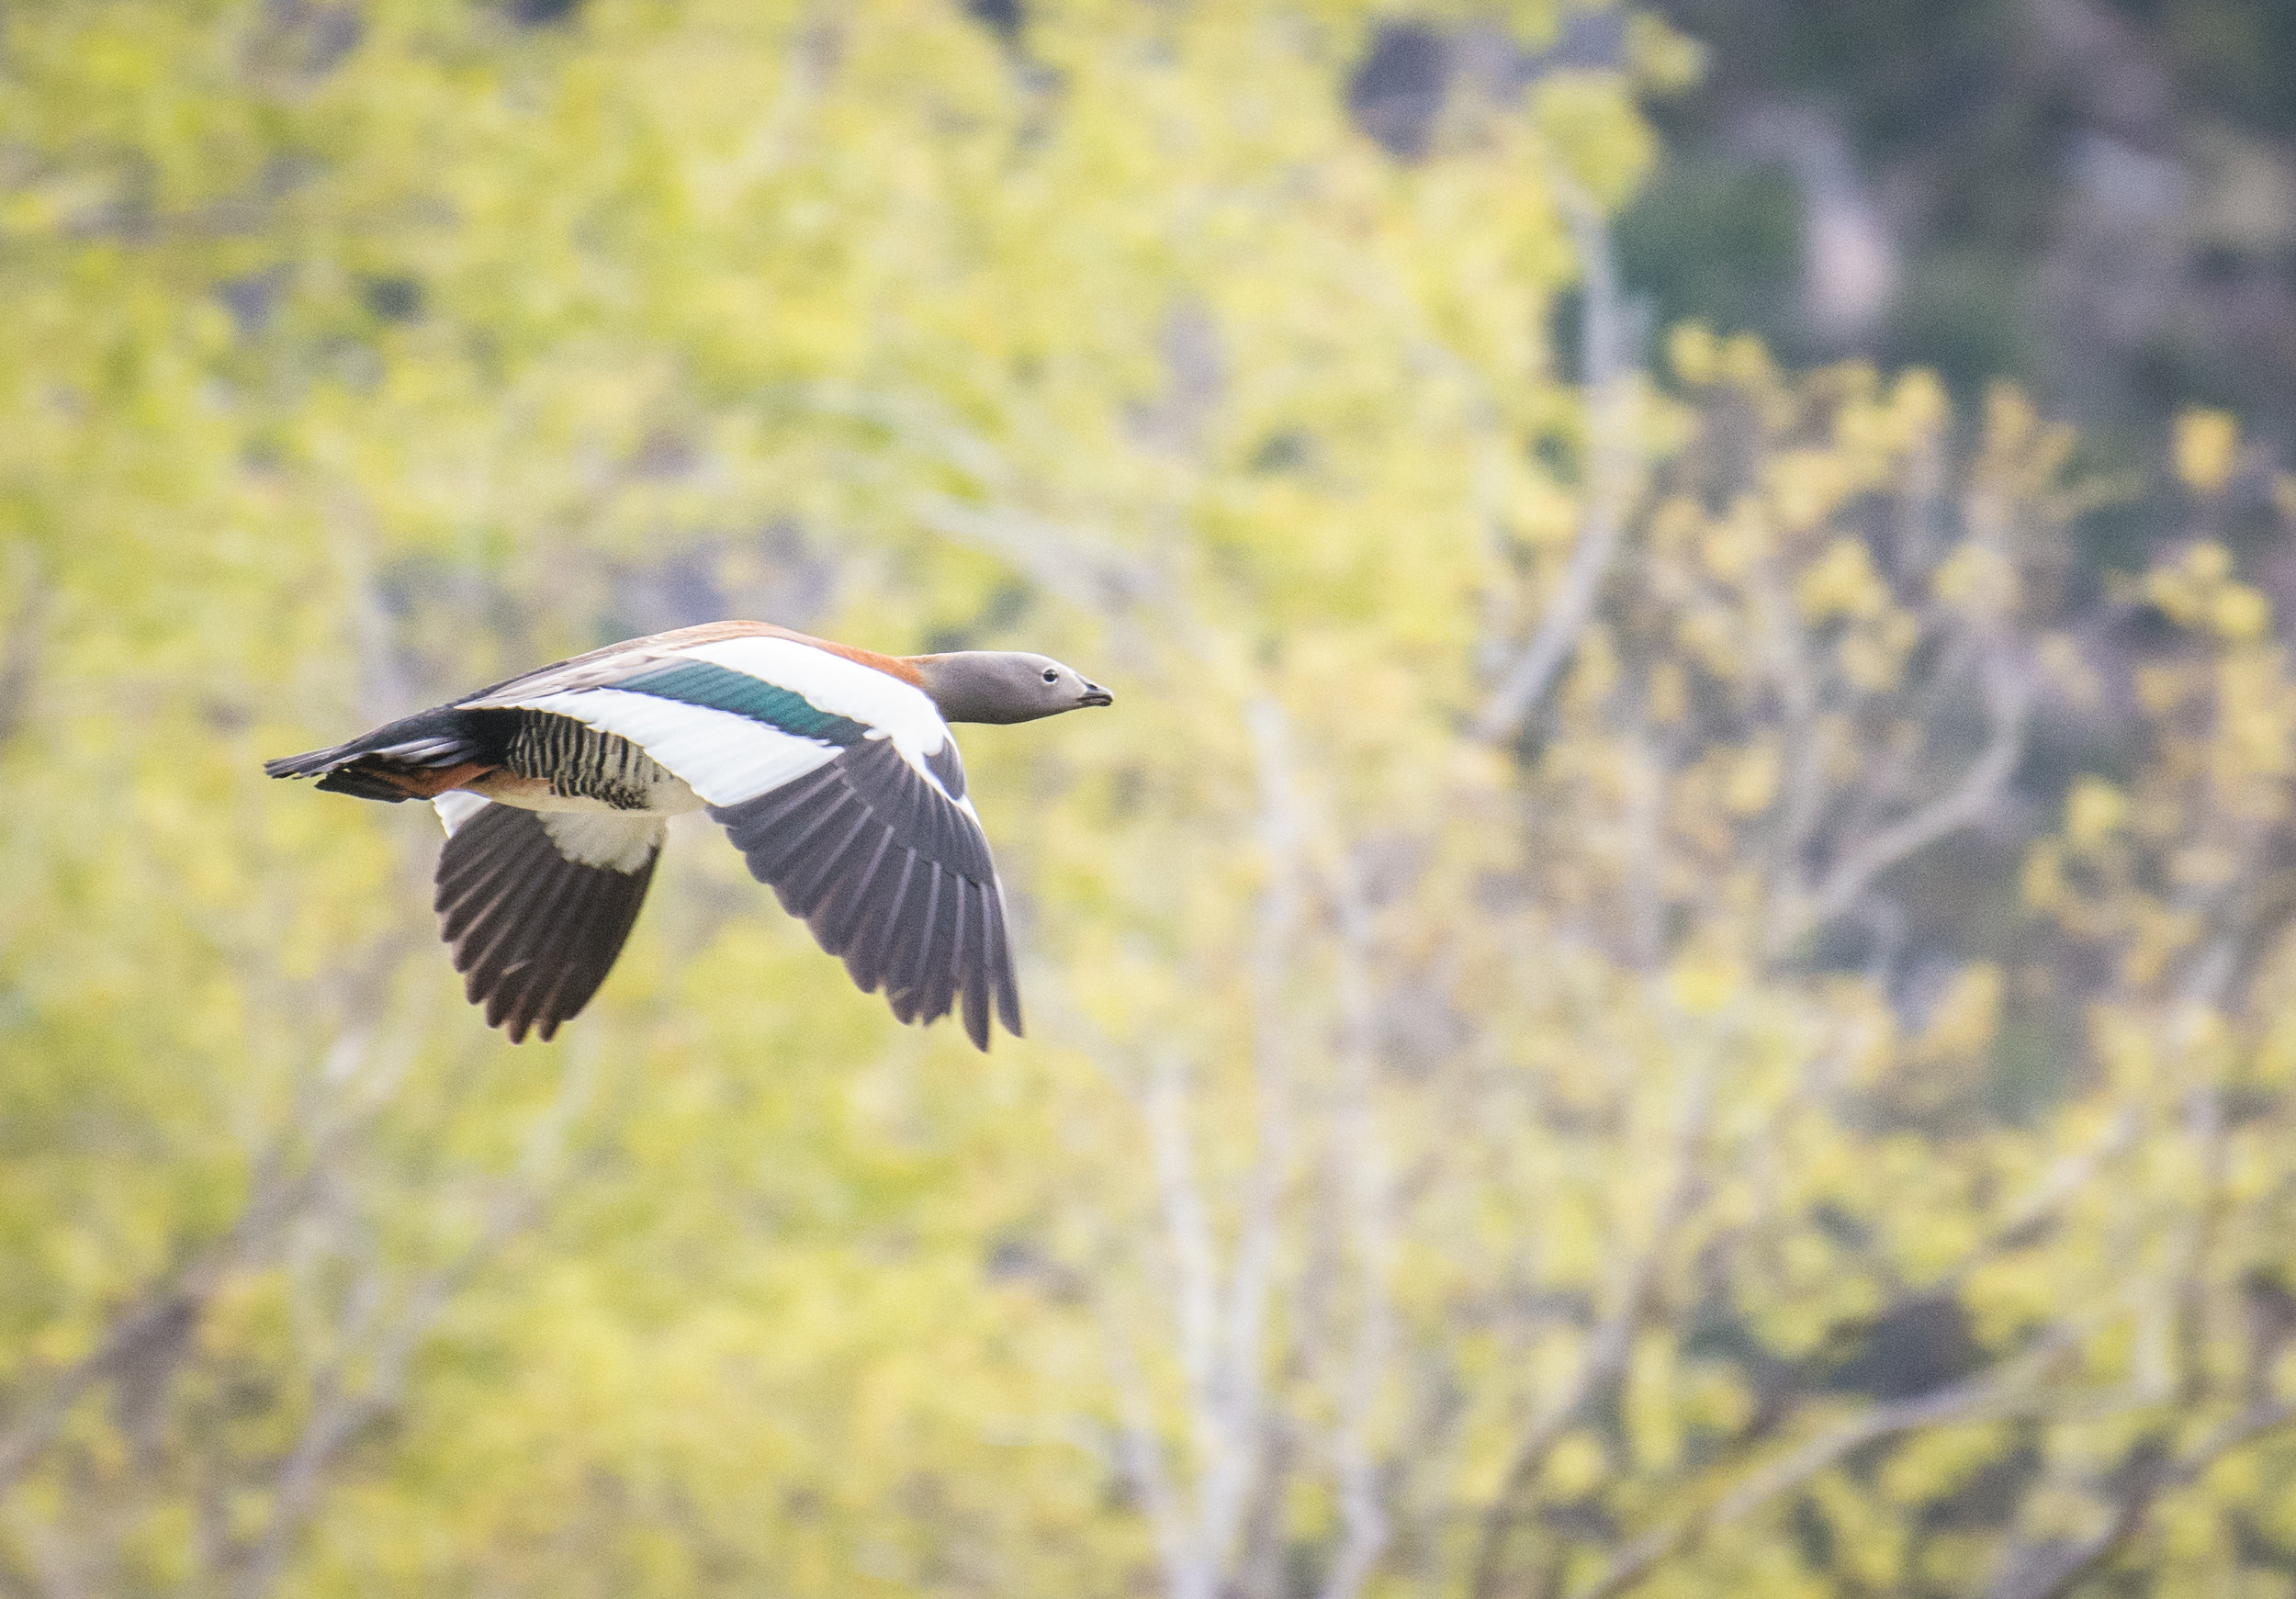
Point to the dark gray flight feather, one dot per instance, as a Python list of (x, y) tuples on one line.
[(892, 877), (532, 932)]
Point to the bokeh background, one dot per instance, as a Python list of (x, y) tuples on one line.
[(1672, 975)]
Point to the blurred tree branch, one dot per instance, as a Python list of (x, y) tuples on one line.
[(385, 1323), (1609, 1347), (2009, 698), (1990, 1393), (1607, 344), (285, 1179), (1360, 1154)]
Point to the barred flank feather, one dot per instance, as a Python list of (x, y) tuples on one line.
[(582, 763), (532, 932)]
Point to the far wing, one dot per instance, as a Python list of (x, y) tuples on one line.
[(536, 905)]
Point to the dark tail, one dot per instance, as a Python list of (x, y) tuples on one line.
[(408, 758)]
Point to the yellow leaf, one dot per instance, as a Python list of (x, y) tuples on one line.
[(2094, 811), (1705, 983), (1693, 352), (1976, 579), (1662, 61), (1753, 782), (1841, 583), (2207, 447), (1965, 1018), (2242, 613)]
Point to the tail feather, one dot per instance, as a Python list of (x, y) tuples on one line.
[(372, 780), (312, 763), (403, 760)]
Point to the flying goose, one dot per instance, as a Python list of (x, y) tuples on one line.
[(832, 768)]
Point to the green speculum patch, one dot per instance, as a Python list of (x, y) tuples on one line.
[(702, 683)]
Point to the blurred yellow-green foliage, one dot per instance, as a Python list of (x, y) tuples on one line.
[(1801, 1099)]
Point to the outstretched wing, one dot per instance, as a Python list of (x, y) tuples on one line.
[(893, 875), (841, 786), (536, 905)]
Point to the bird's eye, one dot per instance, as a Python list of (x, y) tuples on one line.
[(1051, 675)]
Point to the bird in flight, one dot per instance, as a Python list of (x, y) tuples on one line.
[(832, 768)]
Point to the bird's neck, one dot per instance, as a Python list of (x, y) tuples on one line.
[(960, 690)]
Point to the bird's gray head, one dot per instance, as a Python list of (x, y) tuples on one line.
[(1003, 685)]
